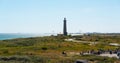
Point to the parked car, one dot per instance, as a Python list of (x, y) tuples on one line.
[(81, 61)]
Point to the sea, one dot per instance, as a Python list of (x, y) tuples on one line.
[(6, 36)]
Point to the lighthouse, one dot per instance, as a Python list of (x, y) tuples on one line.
[(65, 27)]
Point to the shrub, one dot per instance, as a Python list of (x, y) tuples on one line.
[(5, 51), (44, 48)]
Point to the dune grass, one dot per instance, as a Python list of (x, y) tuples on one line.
[(46, 50)]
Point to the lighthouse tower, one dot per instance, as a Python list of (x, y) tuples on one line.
[(65, 27)]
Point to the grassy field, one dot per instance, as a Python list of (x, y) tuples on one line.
[(50, 49)]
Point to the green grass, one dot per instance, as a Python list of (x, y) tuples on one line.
[(48, 50)]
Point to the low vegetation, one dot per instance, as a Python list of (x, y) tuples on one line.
[(50, 49)]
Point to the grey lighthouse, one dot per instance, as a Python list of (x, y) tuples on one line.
[(64, 27)]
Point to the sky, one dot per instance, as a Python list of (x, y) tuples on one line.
[(46, 16)]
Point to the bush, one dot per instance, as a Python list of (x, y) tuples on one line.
[(5, 51), (44, 48)]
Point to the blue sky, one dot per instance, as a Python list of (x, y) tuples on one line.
[(46, 16)]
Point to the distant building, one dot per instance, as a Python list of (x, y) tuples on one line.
[(59, 34), (64, 27)]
